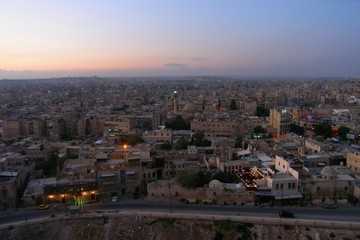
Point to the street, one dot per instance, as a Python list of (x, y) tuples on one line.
[(343, 213)]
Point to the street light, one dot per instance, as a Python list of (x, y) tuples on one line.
[(170, 198)]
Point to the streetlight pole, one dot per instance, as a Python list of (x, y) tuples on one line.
[(170, 198)]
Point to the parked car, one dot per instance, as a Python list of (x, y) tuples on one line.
[(42, 207), (286, 214), (114, 199), (329, 205)]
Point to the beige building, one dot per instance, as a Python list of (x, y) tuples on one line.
[(353, 161), (280, 120), (13, 128), (332, 181), (159, 135), (117, 125), (231, 167), (315, 146), (216, 128), (38, 153), (14, 174)]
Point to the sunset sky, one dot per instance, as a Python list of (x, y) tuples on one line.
[(189, 37)]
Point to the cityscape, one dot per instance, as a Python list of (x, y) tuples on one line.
[(185, 120), (194, 140)]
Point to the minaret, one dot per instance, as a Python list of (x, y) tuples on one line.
[(175, 101)]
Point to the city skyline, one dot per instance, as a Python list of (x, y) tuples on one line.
[(159, 38)]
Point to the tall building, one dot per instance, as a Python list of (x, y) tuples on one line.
[(175, 102), (280, 120), (353, 161)]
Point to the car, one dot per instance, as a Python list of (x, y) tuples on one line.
[(42, 207), (329, 205), (286, 214), (114, 199)]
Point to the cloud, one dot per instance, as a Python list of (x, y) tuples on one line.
[(175, 65)]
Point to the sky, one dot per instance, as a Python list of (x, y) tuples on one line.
[(299, 38)]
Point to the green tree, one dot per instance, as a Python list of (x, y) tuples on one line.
[(342, 131), (239, 141), (194, 180), (262, 112), (50, 166), (130, 140), (226, 177), (177, 123), (166, 146), (181, 143), (259, 129), (232, 105), (199, 139), (297, 129), (323, 129)]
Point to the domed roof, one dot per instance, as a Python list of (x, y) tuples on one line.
[(216, 184), (328, 172)]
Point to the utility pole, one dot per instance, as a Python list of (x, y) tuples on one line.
[(170, 197), (171, 174)]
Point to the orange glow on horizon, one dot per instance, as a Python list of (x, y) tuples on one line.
[(78, 61)]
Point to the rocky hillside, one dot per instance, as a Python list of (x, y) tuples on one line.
[(137, 228)]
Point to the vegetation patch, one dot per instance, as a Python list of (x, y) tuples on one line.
[(224, 224), (218, 236), (165, 222), (289, 227)]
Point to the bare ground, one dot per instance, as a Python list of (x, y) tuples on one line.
[(145, 228)]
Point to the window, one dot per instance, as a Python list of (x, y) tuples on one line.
[(318, 189), (282, 186), (130, 176), (277, 186)]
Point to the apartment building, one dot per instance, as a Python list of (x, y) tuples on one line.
[(316, 146), (280, 120), (353, 161), (158, 135), (117, 125), (216, 128)]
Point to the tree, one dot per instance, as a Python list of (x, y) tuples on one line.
[(323, 129), (50, 166), (232, 105), (297, 129), (166, 146), (194, 180), (262, 112), (178, 123), (181, 143), (239, 141), (199, 140), (131, 140), (343, 131), (259, 129), (226, 177)]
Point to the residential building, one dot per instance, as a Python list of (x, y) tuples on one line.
[(280, 120)]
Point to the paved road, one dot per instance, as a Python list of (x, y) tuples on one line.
[(344, 213)]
